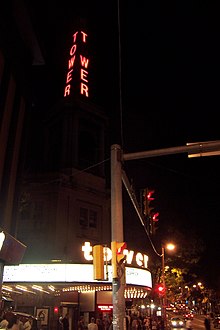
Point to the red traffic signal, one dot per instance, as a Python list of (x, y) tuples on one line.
[(155, 217), (160, 289), (149, 195)]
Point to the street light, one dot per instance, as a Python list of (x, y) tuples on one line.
[(170, 247)]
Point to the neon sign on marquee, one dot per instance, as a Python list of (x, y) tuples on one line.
[(105, 308), (140, 259), (74, 66)]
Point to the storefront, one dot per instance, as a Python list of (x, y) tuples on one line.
[(54, 289)]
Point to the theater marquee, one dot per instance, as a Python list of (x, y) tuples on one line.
[(66, 273)]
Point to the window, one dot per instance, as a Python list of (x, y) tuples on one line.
[(83, 217), (92, 219), (88, 218)]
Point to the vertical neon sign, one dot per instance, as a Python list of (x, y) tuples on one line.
[(77, 64)]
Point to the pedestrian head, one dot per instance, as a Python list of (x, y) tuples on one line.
[(12, 320)]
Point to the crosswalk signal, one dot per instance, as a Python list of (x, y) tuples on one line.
[(98, 262), (117, 256)]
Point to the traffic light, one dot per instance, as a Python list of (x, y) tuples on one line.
[(117, 256), (148, 198), (98, 262), (155, 217), (151, 217), (154, 220), (160, 289)]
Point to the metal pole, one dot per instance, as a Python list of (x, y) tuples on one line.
[(163, 270), (118, 284), (163, 281), (199, 149), (1, 281)]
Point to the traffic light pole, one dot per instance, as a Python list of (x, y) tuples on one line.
[(163, 281), (118, 284), (194, 150)]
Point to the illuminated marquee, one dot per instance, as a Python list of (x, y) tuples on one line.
[(77, 63), (69, 273), (131, 257)]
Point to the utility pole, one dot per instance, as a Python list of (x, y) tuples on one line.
[(118, 284)]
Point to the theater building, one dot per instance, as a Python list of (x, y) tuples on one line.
[(55, 180), (50, 290)]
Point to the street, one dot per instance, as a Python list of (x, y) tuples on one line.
[(198, 323)]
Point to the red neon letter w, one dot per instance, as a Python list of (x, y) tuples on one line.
[(84, 61)]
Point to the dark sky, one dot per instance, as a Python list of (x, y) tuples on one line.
[(162, 88), (171, 97)]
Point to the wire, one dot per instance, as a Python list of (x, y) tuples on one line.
[(92, 166), (133, 198), (57, 181)]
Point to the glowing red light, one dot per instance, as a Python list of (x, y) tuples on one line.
[(121, 249), (149, 195), (155, 217), (160, 289)]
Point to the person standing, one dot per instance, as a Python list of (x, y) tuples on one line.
[(28, 324), (4, 322), (207, 322), (92, 325), (81, 323), (65, 322), (99, 324), (20, 323), (188, 324), (12, 323), (60, 324)]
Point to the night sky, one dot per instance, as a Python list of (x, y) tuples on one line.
[(161, 89)]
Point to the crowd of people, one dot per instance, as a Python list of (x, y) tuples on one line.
[(135, 322), (11, 321), (132, 323)]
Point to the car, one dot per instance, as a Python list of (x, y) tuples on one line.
[(216, 321), (188, 315), (177, 322)]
